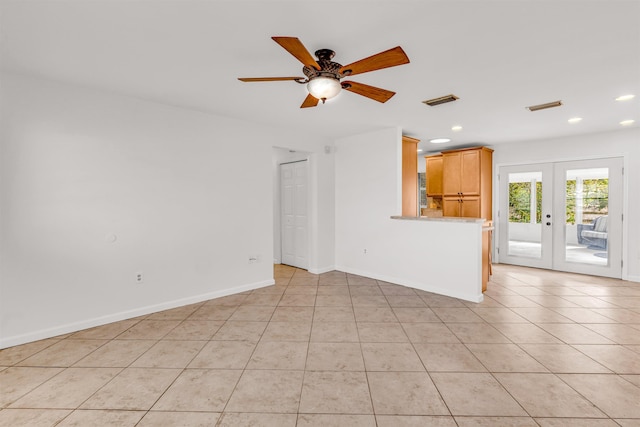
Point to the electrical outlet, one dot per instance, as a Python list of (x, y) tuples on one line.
[(365, 251), (139, 277)]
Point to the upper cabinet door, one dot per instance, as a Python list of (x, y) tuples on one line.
[(451, 173), (461, 173), (434, 176), (470, 173)]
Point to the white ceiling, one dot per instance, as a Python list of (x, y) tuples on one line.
[(497, 56)]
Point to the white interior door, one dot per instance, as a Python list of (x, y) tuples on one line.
[(564, 216), (294, 215)]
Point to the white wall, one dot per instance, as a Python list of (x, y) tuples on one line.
[(623, 143), (186, 196), (422, 163), (436, 256)]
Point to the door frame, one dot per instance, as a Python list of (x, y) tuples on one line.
[(623, 243)]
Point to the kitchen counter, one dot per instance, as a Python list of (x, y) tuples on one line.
[(475, 230), (441, 219)]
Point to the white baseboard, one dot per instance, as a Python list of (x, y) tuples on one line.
[(115, 317), (633, 278), (321, 270)]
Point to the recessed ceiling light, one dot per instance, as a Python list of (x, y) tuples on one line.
[(627, 122), (625, 97), (419, 150), (439, 140), (456, 128), (575, 120)]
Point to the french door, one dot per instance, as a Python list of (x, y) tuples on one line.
[(563, 216)]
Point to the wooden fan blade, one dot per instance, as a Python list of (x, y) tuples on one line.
[(310, 101), (386, 59), (295, 47), (375, 93), (268, 79)]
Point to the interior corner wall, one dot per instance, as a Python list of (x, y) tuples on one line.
[(97, 187), (622, 143)]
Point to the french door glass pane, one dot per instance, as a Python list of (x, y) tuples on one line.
[(525, 214), (587, 210)]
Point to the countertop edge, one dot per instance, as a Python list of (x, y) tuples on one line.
[(440, 219)]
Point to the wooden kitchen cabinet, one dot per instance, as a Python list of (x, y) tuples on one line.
[(467, 206), (409, 176), (462, 172), (434, 175), (467, 183)]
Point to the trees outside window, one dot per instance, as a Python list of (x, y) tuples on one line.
[(595, 200), (520, 202)]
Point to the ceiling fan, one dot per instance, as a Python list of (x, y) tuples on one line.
[(322, 76)]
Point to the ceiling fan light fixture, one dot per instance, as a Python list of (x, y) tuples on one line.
[(324, 88), (323, 76)]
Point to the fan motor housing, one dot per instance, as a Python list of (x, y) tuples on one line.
[(328, 68)]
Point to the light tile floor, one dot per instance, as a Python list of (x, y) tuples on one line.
[(543, 349)]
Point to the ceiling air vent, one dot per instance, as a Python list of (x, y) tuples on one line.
[(442, 100), (545, 106)]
